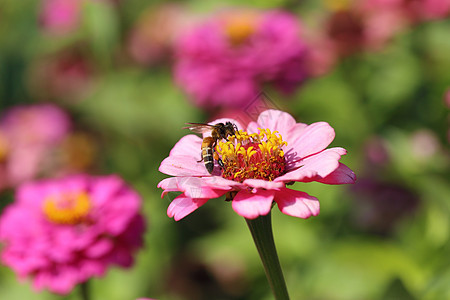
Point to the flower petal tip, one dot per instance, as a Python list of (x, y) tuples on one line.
[(297, 204), (182, 206), (251, 205)]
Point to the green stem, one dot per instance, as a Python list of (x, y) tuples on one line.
[(84, 291), (261, 229)]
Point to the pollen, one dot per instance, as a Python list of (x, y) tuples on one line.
[(257, 155), (67, 209), (239, 27)]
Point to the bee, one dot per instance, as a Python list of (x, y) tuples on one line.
[(218, 131)]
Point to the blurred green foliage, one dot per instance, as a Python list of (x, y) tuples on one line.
[(137, 113)]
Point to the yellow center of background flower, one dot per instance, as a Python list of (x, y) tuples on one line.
[(239, 27), (338, 5), (67, 209), (78, 151), (4, 148), (258, 155)]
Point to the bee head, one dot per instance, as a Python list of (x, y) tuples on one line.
[(230, 128)]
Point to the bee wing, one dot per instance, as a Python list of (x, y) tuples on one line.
[(199, 127)]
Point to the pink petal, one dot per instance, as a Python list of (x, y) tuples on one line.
[(183, 165), (195, 187), (168, 185), (99, 248), (188, 145), (264, 184), (296, 131), (312, 139), (252, 127), (222, 183), (316, 166), (182, 206), (342, 175), (105, 188), (273, 120), (276, 119), (297, 204), (250, 205)]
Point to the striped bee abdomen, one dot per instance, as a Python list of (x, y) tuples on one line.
[(207, 154)]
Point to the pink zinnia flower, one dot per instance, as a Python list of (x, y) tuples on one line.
[(62, 232), (258, 164), (226, 61), (28, 134)]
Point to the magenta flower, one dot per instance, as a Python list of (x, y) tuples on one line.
[(61, 232), (60, 16), (258, 164), (64, 16), (227, 61), (28, 135)]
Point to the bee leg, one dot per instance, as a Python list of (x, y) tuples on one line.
[(220, 162), (201, 156)]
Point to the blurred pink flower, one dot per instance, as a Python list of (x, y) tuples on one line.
[(345, 30), (152, 37), (412, 11), (361, 27), (368, 25), (60, 16), (424, 144), (447, 98), (322, 56), (61, 232), (377, 153), (225, 62), (433, 9), (258, 163), (68, 75), (27, 135), (379, 205), (447, 104)]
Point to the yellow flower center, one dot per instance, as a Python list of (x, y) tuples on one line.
[(239, 27), (258, 155), (67, 209)]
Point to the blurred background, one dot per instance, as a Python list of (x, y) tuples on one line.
[(378, 71)]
